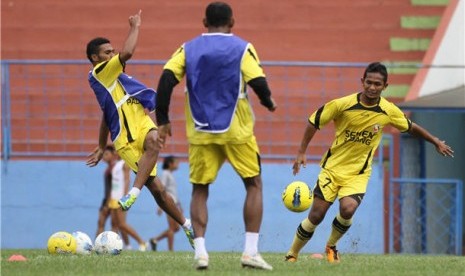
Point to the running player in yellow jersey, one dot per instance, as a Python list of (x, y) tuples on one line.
[(219, 121), (125, 102), (346, 167)]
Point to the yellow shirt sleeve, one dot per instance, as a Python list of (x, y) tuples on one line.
[(398, 119), (250, 66), (177, 63), (324, 114), (107, 72)]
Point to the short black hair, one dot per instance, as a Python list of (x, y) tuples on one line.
[(94, 45), (167, 161), (218, 14), (376, 67)]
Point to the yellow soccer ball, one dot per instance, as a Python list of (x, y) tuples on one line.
[(61, 243), (297, 196)]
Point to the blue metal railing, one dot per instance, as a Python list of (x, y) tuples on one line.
[(304, 80), (456, 232)]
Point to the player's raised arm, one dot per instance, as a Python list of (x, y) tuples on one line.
[(131, 41), (441, 146)]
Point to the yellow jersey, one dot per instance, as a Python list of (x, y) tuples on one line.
[(359, 130)]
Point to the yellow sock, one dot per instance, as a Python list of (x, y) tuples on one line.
[(303, 234), (339, 228)]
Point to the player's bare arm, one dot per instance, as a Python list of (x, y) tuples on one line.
[(301, 158), (95, 156), (441, 146), (131, 41)]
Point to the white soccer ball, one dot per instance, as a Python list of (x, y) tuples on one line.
[(108, 242), (83, 243)]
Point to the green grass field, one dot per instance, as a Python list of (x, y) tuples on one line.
[(180, 263)]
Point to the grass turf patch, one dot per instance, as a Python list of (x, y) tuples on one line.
[(134, 263)]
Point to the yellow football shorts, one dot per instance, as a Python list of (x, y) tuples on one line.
[(331, 185), (113, 204), (132, 152), (206, 160)]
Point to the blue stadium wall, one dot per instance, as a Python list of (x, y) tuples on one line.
[(39, 198)]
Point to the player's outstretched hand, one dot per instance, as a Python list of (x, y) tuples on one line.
[(443, 149), (94, 157), (300, 160), (135, 20), (163, 132)]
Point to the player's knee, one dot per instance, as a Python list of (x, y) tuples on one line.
[(150, 143), (316, 217), (154, 185), (158, 189), (347, 211)]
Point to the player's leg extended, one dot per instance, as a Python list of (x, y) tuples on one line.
[(341, 224), (167, 204), (325, 192), (164, 200), (307, 227), (351, 193), (148, 160), (144, 166)]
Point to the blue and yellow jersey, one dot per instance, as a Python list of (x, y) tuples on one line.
[(241, 124), (358, 131), (118, 95)]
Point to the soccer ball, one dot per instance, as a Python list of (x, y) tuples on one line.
[(297, 196), (61, 243), (108, 242), (83, 243)]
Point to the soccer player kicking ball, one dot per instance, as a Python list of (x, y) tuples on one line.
[(346, 167), (125, 102)]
